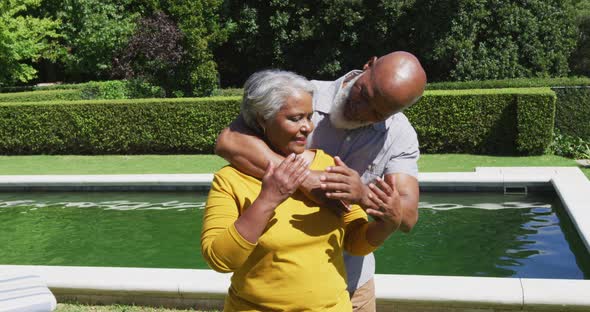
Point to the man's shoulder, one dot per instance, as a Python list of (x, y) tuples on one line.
[(397, 121)]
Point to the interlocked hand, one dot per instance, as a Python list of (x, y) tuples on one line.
[(343, 183), (281, 182)]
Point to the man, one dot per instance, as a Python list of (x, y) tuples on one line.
[(358, 119)]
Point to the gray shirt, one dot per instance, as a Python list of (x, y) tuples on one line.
[(387, 147)]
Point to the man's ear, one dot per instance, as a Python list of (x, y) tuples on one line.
[(370, 62)]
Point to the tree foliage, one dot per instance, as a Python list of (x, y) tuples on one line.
[(202, 30), (153, 53), (580, 60), (496, 39), (24, 40), (93, 31), (455, 40)]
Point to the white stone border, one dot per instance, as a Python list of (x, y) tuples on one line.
[(206, 288)]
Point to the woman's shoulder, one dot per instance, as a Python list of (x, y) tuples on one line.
[(321, 161), (231, 174)]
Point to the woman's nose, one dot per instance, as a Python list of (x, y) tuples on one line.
[(306, 127)]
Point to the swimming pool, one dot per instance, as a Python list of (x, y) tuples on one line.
[(460, 233), (206, 289)]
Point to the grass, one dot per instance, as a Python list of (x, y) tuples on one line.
[(110, 164), (138, 164)]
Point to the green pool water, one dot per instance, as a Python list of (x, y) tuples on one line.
[(468, 234)]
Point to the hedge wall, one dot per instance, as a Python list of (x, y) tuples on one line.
[(39, 96), (573, 99), (149, 126), (510, 83), (501, 121), (572, 116), (493, 121)]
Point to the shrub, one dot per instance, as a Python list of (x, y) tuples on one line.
[(39, 96), (145, 126), (505, 121), (120, 89), (573, 111), (497, 122), (569, 146), (573, 99), (108, 90), (510, 83)]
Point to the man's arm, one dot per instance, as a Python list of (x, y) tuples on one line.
[(241, 147), (343, 183), (409, 193)]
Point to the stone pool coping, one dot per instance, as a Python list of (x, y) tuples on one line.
[(206, 288)]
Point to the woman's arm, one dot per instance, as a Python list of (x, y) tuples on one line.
[(228, 237)]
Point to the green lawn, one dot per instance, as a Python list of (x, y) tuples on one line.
[(118, 164)]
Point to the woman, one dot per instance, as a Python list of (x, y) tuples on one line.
[(284, 250)]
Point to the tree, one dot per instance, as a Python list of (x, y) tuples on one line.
[(153, 53), (315, 38), (495, 39), (455, 40), (24, 40), (580, 60), (202, 30), (94, 30)]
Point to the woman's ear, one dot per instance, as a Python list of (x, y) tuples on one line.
[(261, 124)]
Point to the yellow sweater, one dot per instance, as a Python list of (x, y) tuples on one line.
[(297, 263)]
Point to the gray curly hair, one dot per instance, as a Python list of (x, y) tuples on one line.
[(266, 91)]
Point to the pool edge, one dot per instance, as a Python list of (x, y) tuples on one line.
[(405, 292)]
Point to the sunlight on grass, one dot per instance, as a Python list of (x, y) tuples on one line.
[(171, 164)]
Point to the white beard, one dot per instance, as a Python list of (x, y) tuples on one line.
[(337, 110)]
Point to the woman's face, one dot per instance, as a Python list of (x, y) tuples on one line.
[(287, 132)]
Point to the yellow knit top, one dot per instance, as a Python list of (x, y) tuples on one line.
[(297, 263)]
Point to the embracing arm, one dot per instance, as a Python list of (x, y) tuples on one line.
[(387, 208), (241, 147), (409, 194), (246, 151)]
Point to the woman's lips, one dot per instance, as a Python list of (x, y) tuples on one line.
[(301, 140)]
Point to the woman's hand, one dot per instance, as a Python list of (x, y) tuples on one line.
[(281, 182)]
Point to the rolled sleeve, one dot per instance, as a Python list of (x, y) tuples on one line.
[(405, 152)]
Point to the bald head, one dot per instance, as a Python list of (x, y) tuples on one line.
[(388, 85), (399, 77)]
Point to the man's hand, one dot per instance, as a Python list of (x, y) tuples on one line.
[(386, 199), (311, 187), (343, 183)]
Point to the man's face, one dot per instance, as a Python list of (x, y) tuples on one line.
[(366, 101)]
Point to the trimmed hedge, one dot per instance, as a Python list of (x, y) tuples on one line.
[(149, 126), (572, 116), (573, 99), (510, 83), (492, 121), (501, 121), (40, 96)]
